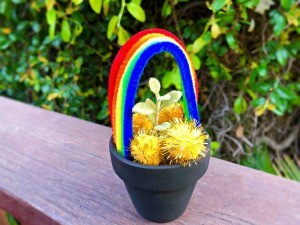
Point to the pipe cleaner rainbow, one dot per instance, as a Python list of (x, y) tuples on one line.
[(125, 74)]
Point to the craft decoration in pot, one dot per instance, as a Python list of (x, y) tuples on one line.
[(125, 74), (151, 157)]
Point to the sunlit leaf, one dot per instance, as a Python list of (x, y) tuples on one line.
[(198, 44), (287, 4), (215, 145), (215, 30), (217, 5), (136, 11), (260, 110), (123, 36), (196, 61), (65, 32), (138, 2), (77, 30), (172, 77), (77, 2), (49, 4), (105, 7), (271, 107), (51, 31), (96, 5), (52, 96), (240, 105), (111, 26), (51, 16)]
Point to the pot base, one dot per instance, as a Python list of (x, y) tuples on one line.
[(160, 206)]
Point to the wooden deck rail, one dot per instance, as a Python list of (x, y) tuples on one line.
[(56, 169)]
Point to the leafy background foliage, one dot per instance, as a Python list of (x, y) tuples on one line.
[(57, 55)]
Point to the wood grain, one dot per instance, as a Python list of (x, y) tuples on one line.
[(55, 169)]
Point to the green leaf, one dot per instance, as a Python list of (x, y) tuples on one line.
[(123, 36), (138, 2), (282, 56), (96, 5), (54, 95), (49, 4), (77, 2), (198, 44), (231, 41), (240, 105), (263, 87), (77, 30), (105, 7), (196, 61), (287, 4), (285, 93), (65, 32), (258, 102), (215, 145), (11, 220), (166, 9), (279, 102), (217, 5), (215, 30), (111, 26), (51, 16), (172, 77), (136, 11), (275, 98), (278, 21), (262, 71), (51, 31)]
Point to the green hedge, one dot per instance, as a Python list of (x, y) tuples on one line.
[(57, 55)]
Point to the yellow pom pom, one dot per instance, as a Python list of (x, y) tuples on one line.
[(141, 122), (145, 148), (167, 114), (183, 142)]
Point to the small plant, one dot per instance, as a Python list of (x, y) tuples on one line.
[(161, 134)]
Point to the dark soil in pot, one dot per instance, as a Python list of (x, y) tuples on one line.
[(159, 193)]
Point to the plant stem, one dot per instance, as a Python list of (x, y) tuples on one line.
[(158, 104), (121, 13)]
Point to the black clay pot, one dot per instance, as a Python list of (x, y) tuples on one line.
[(159, 193)]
